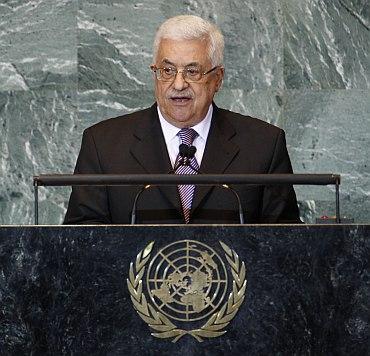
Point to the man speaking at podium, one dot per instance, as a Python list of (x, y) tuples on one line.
[(188, 71)]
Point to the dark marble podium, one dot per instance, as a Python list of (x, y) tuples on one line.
[(63, 290)]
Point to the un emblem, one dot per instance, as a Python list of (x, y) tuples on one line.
[(187, 282)]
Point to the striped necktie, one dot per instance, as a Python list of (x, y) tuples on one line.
[(186, 192)]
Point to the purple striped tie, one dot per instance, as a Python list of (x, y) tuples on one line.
[(186, 192)]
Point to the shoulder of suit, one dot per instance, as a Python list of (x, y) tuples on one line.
[(123, 122), (246, 121)]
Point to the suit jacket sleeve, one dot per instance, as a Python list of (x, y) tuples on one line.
[(88, 205), (279, 203)]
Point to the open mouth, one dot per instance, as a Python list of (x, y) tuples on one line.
[(180, 100)]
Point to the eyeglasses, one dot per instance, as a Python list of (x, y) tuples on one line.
[(189, 74)]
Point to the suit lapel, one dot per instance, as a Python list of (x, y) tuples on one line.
[(150, 151), (220, 151)]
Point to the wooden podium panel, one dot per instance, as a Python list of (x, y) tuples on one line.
[(63, 290)]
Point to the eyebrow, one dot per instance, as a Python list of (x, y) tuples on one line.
[(166, 61)]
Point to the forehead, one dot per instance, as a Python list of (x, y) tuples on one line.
[(183, 52)]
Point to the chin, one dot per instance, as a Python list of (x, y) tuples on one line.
[(180, 117), (181, 122)]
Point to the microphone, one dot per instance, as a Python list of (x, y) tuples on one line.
[(186, 153), (191, 152), (183, 150)]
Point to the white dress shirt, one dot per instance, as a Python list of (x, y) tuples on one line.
[(173, 141)]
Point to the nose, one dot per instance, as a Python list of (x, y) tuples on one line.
[(179, 82)]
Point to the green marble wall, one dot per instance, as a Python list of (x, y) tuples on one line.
[(301, 64)]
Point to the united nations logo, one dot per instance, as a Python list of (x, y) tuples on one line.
[(187, 282)]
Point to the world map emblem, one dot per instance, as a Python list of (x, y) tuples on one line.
[(185, 289)]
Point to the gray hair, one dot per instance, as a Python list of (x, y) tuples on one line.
[(189, 27)]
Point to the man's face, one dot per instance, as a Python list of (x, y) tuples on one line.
[(181, 103)]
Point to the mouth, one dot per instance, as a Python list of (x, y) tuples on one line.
[(181, 100)]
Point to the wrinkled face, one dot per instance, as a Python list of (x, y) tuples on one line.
[(181, 103)]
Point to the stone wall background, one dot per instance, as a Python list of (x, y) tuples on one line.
[(303, 65)]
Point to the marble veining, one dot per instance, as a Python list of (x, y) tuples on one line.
[(65, 65), (326, 44)]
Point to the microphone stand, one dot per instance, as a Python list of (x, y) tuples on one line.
[(240, 208), (133, 211)]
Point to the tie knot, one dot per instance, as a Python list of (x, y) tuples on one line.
[(187, 136)]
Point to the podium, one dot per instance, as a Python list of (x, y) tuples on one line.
[(64, 289)]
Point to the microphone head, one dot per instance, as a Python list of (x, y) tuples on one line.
[(183, 150), (191, 151)]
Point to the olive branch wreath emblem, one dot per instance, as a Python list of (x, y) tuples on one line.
[(164, 328)]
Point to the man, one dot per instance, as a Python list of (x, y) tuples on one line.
[(188, 71)]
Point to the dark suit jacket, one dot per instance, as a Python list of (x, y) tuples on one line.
[(134, 143)]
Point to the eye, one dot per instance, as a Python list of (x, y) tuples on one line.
[(192, 72), (168, 71)]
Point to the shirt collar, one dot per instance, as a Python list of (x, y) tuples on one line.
[(202, 128)]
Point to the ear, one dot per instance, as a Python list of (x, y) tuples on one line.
[(220, 76)]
